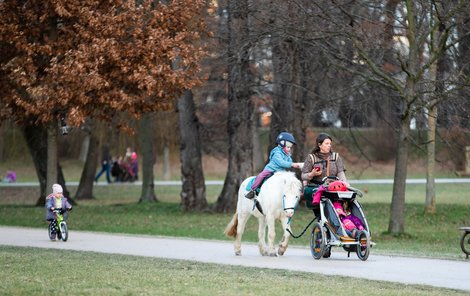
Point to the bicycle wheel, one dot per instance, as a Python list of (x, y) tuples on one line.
[(50, 231), (317, 241), (64, 231), (363, 248), (465, 243)]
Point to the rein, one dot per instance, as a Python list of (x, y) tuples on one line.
[(306, 227)]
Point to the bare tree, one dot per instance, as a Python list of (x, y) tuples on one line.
[(393, 57), (193, 192), (240, 128)]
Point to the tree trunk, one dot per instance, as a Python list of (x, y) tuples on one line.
[(240, 105), (2, 145), (397, 212), (300, 121), (463, 58), (51, 175), (387, 110), (283, 71), (259, 160), (85, 187), (430, 205), (36, 140), (290, 78), (84, 148), (282, 76), (193, 192), (148, 159)]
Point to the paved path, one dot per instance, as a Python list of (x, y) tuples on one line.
[(453, 274)]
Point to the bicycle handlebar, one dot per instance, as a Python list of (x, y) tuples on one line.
[(60, 210), (350, 188), (329, 177)]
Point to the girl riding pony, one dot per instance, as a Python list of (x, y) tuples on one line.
[(279, 159)]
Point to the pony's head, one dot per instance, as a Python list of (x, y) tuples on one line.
[(292, 192)]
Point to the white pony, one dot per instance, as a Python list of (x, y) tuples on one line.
[(278, 198)]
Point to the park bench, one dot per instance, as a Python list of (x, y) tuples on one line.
[(465, 240)]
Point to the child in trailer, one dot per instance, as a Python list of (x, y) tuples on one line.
[(351, 223)]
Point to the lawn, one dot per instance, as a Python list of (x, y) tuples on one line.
[(29, 271)]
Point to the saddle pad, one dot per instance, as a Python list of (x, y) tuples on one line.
[(248, 186)]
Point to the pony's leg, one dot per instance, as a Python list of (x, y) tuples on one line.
[(271, 235), (262, 236), (285, 237), (237, 244)]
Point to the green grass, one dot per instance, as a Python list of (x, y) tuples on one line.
[(29, 271)]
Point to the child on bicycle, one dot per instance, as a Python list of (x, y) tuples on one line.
[(56, 200), (279, 159)]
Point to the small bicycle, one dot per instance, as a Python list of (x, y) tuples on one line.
[(59, 225)]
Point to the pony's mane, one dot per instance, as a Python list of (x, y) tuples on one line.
[(291, 178), (286, 174)]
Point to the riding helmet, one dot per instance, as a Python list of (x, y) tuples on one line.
[(283, 137)]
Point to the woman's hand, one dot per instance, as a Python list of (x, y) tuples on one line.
[(316, 171)]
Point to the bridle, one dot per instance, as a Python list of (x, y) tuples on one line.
[(289, 208), (297, 198)]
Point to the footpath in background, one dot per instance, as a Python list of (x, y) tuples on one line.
[(221, 182)]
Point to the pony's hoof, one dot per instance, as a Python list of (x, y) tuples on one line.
[(282, 249), (262, 251), (238, 253), (272, 254)]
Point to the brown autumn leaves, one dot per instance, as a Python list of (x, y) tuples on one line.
[(86, 58)]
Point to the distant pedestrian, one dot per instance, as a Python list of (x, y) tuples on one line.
[(10, 177), (105, 164), (134, 167)]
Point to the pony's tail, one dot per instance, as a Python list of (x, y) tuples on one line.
[(231, 229)]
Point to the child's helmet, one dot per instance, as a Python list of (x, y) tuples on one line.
[(337, 186), (56, 188), (284, 137)]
